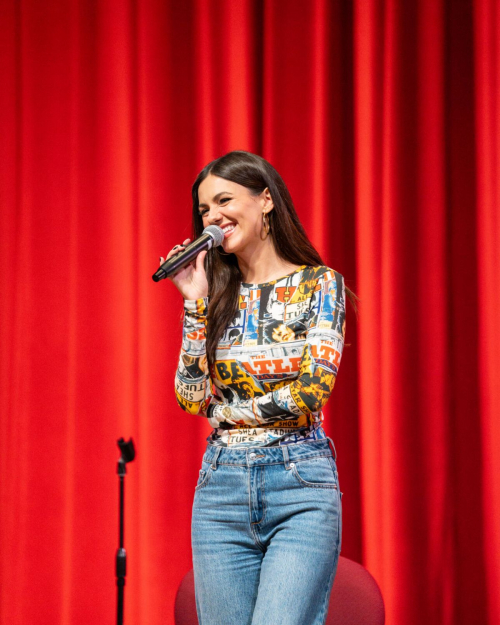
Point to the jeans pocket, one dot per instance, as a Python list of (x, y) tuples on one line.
[(315, 473), (204, 476)]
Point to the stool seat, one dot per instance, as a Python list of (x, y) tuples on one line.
[(356, 598)]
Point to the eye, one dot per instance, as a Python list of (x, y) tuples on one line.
[(223, 200), (203, 211)]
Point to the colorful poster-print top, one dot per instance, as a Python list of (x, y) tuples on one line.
[(276, 364)]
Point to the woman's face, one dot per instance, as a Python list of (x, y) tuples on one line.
[(232, 207)]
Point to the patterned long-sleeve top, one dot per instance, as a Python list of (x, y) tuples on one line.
[(276, 364)]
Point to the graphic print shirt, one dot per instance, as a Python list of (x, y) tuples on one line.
[(276, 364)]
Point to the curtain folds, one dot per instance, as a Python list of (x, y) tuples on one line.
[(382, 118)]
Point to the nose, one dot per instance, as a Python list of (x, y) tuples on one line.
[(214, 215)]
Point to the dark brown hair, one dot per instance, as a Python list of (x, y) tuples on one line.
[(286, 231)]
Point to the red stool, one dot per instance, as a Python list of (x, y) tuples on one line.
[(355, 600)]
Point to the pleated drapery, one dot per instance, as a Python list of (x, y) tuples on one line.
[(382, 117)]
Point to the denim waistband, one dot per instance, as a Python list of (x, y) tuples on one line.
[(254, 456)]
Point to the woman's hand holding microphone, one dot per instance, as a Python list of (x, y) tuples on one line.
[(192, 279)]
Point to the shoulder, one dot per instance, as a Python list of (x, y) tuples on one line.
[(322, 275)]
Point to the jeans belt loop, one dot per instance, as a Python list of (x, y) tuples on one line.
[(215, 458), (332, 447), (286, 457)]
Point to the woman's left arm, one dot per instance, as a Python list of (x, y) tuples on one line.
[(318, 366)]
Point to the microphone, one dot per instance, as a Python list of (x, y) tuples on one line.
[(210, 237)]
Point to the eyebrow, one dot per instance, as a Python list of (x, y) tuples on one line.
[(216, 198)]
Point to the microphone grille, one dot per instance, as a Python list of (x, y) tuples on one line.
[(216, 233)]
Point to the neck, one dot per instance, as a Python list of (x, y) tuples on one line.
[(263, 264)]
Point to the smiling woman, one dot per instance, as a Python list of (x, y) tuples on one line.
[(260, 189), (240, 214), (263, 335), (243, 217)]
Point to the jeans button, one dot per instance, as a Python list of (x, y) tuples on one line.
[(292, 464), (252, 456)]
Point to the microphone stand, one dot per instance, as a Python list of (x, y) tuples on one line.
[(127, 455)]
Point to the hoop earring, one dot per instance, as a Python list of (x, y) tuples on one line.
[(266, 225)]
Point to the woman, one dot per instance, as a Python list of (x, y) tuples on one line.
[(264, 326)]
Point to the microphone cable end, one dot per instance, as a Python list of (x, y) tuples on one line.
[(159, 275)]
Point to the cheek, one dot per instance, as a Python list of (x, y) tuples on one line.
[(254, 221)]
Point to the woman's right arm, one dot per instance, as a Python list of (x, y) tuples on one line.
[(192, 380), (193, 387)]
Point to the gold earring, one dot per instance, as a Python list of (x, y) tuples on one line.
[(266, 225)]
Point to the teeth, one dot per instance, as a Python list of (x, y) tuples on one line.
[(228, 228)]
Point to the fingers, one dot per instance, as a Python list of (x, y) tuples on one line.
[(172, 252), (200, 259), (176, 249)]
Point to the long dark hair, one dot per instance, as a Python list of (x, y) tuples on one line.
[(287, 234)]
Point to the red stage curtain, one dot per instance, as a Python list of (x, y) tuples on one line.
[(382, 117)]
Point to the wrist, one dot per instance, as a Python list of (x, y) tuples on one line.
[(196, 308), (194, 305)]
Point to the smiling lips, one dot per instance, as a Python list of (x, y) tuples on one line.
[(228, 229)]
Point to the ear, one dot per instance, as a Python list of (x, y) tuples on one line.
[(267, 201)]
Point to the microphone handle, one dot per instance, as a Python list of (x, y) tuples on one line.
[(180, 260)]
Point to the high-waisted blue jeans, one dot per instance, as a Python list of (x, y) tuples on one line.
[(266, 534)]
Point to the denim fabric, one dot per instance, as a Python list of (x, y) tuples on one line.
[(266, 534)]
